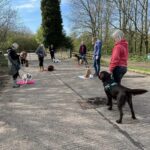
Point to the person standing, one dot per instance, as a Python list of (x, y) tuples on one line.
[(41, 54), (23, 58), (82, 52), (14, 63), (52, 52), (97, 55), (119, 57)]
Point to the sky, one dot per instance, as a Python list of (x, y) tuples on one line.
[(29, 13)]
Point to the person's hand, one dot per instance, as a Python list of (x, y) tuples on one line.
[(93, 57), (96, 57)]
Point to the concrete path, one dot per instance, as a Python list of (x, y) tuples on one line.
[(53, 114)]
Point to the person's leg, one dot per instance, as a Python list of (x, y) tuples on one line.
[(42, 66), (22, 61), (98, 66), (51, 56), (40, 63), (15, 85), (54, 55), (95, 67), (118, 73), (85, 60)]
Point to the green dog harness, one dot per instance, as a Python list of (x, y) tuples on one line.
[(109, 86)]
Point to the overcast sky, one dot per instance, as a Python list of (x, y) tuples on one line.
[(30, 13)]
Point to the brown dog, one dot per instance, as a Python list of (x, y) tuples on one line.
[(88, 72), (120, 93)]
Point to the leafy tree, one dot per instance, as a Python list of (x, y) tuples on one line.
[(39, 35), (52, 23)]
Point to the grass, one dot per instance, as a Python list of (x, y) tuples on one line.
[(132, 67), (139, 69)]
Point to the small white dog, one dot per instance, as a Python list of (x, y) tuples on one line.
[(26, 77), (56, 61)]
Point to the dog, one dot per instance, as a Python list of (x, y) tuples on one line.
[(56, 61), (88, 72), (50, 68), (121, 93), (79, 59), (27, 63), (26, 77)]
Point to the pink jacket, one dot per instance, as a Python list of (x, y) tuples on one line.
[(119, 55)]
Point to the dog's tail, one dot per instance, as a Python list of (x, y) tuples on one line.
[(137, 91)]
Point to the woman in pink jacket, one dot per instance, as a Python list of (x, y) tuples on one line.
[(118, 63)]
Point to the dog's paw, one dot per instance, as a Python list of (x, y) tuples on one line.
[(119, 121)]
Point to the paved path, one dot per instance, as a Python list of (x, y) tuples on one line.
[(52, 114)]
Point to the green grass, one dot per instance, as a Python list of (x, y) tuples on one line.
[(139, 69)]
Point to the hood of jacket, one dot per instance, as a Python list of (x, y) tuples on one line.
[(123, 42)]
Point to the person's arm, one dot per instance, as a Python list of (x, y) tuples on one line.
[(37, 50), (80, 50), (44, 51), (114, 58), (14, 55), (98, 50)]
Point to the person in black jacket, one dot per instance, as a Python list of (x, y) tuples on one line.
[(14, 63), (82, 52), (40, 51), (52, 52)]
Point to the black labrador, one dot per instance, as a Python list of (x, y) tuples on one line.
[(78, 58), (120, 93)]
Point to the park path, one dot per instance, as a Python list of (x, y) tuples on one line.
[(52, 113)]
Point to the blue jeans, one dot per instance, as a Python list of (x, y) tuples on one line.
[(97, 66), (118, 73)]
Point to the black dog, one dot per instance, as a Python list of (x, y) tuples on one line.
[(78, 58), (120, 93), (50, 68)]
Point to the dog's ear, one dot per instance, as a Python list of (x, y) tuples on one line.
[(101, 75)]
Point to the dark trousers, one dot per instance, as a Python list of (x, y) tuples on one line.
[(118, 73), (15, 75), (41, 60), (83, 57), (52, 55), (97, 66)]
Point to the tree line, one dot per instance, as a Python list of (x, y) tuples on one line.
[(101, 17), (12, 30)]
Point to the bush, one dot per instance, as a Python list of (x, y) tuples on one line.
[(3, 61)]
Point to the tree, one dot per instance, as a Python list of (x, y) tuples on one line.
[(39, 35), (52, 22), (87, 16), (7, 20)]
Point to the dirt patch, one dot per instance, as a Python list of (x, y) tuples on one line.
[(92, 103)]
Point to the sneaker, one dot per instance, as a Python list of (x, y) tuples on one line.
[(94, 75)]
